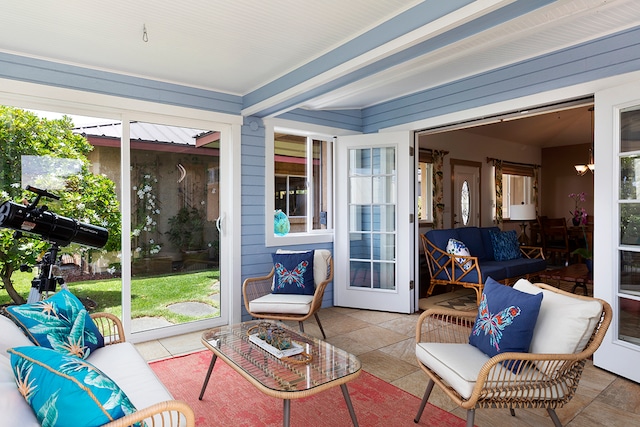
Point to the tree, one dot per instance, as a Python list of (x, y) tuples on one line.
[(85, 196)]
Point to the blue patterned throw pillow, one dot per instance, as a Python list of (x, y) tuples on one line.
[(60, 322), (293, 273), (505, 245), (65, 390), (506, 319), (456, 247)]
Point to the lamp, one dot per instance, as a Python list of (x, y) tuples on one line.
[(582, 169), (522, 213)]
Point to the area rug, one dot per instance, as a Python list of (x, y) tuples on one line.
[(463, 302), (230, 400)]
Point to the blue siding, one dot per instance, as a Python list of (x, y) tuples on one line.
[(343, 119), (256, 257), (72, 77), (605, 57)]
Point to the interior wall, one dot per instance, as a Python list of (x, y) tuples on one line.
[(463, 145), (559, 179)]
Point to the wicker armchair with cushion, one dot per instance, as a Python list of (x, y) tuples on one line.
[(558, 337), (281, 295)]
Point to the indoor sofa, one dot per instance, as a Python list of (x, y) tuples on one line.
[(119, 360), (467, 256)]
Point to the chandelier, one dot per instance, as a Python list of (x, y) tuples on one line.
[(582, 169)]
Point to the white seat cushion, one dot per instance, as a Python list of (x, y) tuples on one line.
[(11, 336), (459, 364), (123, 364), (281, 303), (14, 408)]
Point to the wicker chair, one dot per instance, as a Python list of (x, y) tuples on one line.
[(256, 289), (162, 414), (542, 380)]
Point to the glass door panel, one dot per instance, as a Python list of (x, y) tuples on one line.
[(174, 238), (629, 222), (373, 240)]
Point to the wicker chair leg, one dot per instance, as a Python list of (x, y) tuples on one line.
[(427, 393), (471, 414), (320, 325), (512, 411), (554, 417), (301, 326)]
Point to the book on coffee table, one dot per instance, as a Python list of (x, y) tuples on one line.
[(291, 351)]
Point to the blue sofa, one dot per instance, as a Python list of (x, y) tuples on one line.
[(472, 271)]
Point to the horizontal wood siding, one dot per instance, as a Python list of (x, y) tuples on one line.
[(605, 57), (85, 79), (256, 257), (343, 119)]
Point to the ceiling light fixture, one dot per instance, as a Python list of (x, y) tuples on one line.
[(582, 169)]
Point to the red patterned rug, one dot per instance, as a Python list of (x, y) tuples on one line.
[(230, 400)]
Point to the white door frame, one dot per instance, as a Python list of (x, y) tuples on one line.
[(74, 102), (615, 355), (402, 298)]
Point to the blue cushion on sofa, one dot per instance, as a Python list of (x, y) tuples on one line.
[(520, 267), (293, 273), (505, 245), (472, 237), (506, 319), (65, 390), (486, 241), (59, 322)]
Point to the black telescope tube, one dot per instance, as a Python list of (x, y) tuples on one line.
[(51, 227)]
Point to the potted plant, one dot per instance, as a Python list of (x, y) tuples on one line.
[(186, 229)]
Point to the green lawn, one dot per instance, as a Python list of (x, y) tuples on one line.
[(150, 296)]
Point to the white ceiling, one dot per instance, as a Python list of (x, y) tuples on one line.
[(239, 46)]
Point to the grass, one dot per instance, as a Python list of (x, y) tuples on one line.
[(150, 296)]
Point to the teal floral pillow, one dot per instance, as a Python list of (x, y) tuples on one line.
[(60, 322), (505, 245), (64, 390)]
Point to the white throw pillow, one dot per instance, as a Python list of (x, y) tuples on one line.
[(456, 247), (564, 324)]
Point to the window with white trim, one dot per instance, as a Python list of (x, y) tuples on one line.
[(302, 183)]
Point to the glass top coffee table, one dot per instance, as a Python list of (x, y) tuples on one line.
[(299, 376)]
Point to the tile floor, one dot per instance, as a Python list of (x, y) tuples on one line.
[(385, 342)]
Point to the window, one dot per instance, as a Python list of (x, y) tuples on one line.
[(517, 187), (425, 187), (302, 180)]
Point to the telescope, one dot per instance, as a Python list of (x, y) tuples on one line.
[(55, 229), (48, 225)]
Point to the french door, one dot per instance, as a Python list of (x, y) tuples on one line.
[(617, 225), (375, 230), (466, 194)]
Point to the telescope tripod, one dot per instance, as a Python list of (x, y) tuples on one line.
[(46, 281)]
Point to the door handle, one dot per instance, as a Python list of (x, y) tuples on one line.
[(218, 224)]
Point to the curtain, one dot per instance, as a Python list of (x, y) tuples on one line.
[(438, 192), (536, 180), (497, 164)]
